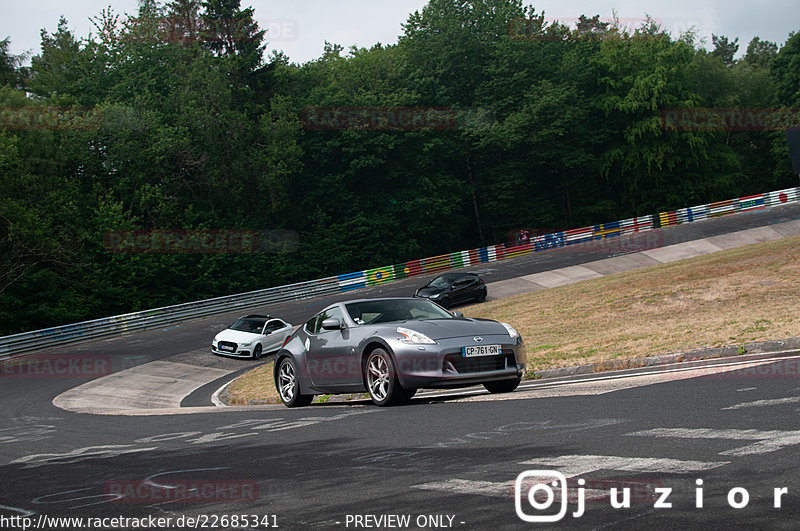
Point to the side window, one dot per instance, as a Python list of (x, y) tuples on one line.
[(310, 325), (334, 312), (314, 326), (273, 326), (460, 283)]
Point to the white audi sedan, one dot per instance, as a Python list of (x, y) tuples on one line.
[(251, 336)]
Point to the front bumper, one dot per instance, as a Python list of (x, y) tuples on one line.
[(443, 365), (238, 353)]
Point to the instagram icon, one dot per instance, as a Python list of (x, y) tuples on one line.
[(540, 489)]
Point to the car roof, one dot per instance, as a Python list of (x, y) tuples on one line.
[(457, 275), (255, 316)]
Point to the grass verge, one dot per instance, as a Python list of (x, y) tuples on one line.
[(730, 297), (726, 298), (256, 386)]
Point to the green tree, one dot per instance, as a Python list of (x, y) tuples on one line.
[(11, 70), (56, 71), (591, 28), (724, 48), (230, 31), (786, 72), (183, 21), (760, 53)]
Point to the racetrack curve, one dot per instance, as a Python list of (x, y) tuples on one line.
[(438, 457)]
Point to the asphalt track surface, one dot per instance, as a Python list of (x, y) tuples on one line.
[(441, 462)]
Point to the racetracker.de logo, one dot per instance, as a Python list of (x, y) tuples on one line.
[(181, 491), (200, 241), (730, 119), (394, 118), (49, 117), (57, 366)]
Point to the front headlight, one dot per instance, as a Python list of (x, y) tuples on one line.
[(246, 344), (511, 330), (414, 337)]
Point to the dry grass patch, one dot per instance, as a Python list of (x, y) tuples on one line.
[(725, 298), (254, 387)]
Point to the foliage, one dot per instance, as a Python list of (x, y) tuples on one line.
[(542, 126)]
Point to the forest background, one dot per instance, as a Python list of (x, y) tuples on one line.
[(483, 119)]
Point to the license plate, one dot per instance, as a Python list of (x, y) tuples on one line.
[(480, 350), (227, 348)]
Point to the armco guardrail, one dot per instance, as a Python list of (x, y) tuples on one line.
[(159, 317), (380, 275), (169, 315)]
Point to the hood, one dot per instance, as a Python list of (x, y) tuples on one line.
[(460, 327), (429, 291), (236, 336)]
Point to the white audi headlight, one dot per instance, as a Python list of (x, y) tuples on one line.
[(412, 336), (511, 330)]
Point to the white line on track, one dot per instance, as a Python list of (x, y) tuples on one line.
[(765, 403), (767, 441)]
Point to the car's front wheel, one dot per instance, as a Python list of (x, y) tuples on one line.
[(407, 395), (503, 386), (288, 385), (257, 352), (381, 379)]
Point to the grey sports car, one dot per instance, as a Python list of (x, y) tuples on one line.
[(392, 347)]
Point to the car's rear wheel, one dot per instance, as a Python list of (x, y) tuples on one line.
[(381, 379), (286, 380), (257, 352), (503, 386), (481, 296)]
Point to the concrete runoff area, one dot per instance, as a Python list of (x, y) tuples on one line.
[(159, 384)]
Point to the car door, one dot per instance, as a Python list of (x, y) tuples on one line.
[(328, 353), (273, 338), (461, 290)]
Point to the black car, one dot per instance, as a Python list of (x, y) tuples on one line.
[(454, 288)]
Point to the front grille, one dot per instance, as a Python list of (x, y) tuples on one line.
[(479, 363), (227, 346)]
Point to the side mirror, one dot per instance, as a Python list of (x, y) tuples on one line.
[(458, 314), (332, 324)]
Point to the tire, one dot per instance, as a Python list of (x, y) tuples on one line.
[(380, 377), (482, 296), (406, 395), (445, 303), (503, 386), (288, 385), (257, 352)]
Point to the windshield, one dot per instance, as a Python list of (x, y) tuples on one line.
[(440, 282), (395, 310), (248, 324)]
